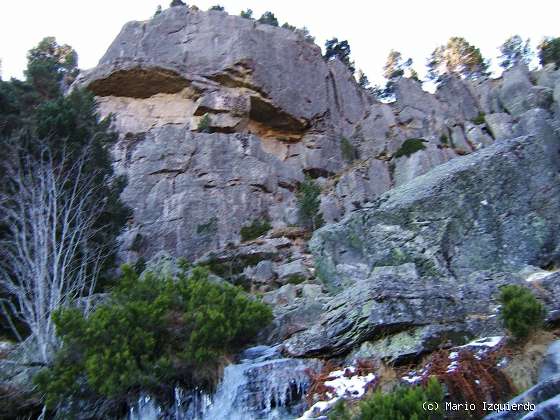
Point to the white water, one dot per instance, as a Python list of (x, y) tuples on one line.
[(262, 386)]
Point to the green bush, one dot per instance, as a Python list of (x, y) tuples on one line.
[(268, 18), (255, 229), (247, 14), (340, 411), (152, 334), (208, 228), (204, 124), (309, 202), (521, 312), (404, 403), (183, 264), (296, 279), (479, 119), (349, 152), (444, 139), (549, 51), (410, 146), (218, 8)]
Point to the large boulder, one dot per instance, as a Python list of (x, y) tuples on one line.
[(518, 95), (419, 314), (278, 111), (435, 250), (497, 209), (269, 74)]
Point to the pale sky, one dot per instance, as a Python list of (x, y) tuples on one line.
[(372, 28)]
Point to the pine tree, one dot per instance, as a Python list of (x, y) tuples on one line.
[(175, 3), (247, 14), (515, 51), (363, 80), (51, 68), (549, 51), (268, 18), (37, 121), (309, 203), (457, 57), (335, 49)]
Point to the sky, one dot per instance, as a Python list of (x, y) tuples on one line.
[(373, 28)]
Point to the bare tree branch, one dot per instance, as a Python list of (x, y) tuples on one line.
[(47, 259)]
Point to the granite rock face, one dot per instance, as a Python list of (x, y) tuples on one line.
[(183, 207), (278, 111), (434, 251), (497, 209), (216, 52)]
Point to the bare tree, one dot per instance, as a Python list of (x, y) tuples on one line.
[(46, 257)]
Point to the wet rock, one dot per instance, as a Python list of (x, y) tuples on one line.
[(544, 395), (551, 363)]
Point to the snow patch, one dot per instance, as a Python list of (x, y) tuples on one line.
[(487, 342), (346, 384), (538, 276)]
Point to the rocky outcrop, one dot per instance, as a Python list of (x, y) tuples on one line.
[(435, 250), (194, 192), (278, 111), (280, 74), (493, 210)]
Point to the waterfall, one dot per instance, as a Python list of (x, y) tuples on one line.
[(263, 385)]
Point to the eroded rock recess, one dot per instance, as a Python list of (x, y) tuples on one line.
[(415, 244)]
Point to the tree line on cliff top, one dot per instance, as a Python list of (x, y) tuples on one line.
[(456, 57)]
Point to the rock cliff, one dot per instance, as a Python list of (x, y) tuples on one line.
[(431, 202), (278, 111)]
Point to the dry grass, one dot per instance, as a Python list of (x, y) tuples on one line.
[(526, 358)]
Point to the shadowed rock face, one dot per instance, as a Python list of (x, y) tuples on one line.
[(138, 83), (229, 51)]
